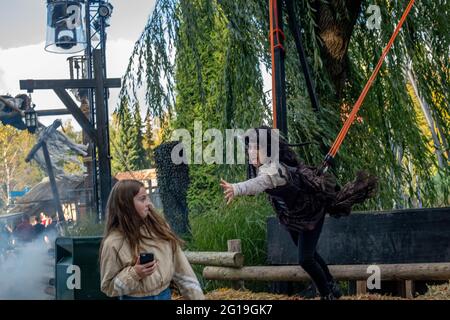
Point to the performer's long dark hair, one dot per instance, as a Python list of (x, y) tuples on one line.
[(286, 155)]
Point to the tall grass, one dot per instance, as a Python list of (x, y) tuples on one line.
[(244, 219)]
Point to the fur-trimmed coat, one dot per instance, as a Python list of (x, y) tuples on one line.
[(301, 197)]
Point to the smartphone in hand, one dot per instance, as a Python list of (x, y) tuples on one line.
[(146, 257)]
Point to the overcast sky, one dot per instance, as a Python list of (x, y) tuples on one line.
[(22, 39)]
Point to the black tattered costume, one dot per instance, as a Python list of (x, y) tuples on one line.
[(301, 196), (306, 197)]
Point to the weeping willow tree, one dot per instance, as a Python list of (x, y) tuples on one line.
[(205, 60)]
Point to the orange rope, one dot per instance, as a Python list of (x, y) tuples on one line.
[(275, 33), (340, 138)]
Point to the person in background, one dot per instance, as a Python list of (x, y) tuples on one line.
[(24, 230), (45, 221), (38, 228)]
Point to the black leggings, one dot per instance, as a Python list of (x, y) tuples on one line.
[(310, 260)]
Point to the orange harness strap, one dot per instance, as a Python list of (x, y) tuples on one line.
[(340, 138)]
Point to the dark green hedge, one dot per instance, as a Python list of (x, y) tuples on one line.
[(173, 182)]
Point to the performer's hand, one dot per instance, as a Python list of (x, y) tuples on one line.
[(227, 190)]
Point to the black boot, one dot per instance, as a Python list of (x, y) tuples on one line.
[(310, 292), (335, 289)]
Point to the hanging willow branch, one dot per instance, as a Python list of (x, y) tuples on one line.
[(203, 60)]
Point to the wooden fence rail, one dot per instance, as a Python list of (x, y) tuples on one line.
[(413, 271), (221, 259), (229, 266)]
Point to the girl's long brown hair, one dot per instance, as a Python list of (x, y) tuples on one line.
[(122, 216)]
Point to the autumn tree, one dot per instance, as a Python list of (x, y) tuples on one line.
[(15, 173)]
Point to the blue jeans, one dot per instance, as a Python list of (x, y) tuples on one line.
[(164, 295)]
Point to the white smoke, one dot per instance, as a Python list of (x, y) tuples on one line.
[(24, 273)]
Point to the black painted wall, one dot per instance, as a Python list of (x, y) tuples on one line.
[(404, 236)]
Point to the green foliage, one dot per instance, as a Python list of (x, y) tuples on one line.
[(113, 145), (387, 138), (442, 181), (128, 153), (215, 83), (204, 192), (225, 88), (216, 77), (137, 136), (148, 141)]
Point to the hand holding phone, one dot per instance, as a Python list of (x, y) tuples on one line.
[(142, 268), (146, 257)]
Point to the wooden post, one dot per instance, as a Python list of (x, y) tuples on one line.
[(406, 289), (87, 161), (409, 289), (235, 246), (361, 287), (220, 259), (53, 185)]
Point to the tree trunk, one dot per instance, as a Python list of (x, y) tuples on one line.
[(397, 151), (429, 118), (7, 178), (336, 33), (443, 138)]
